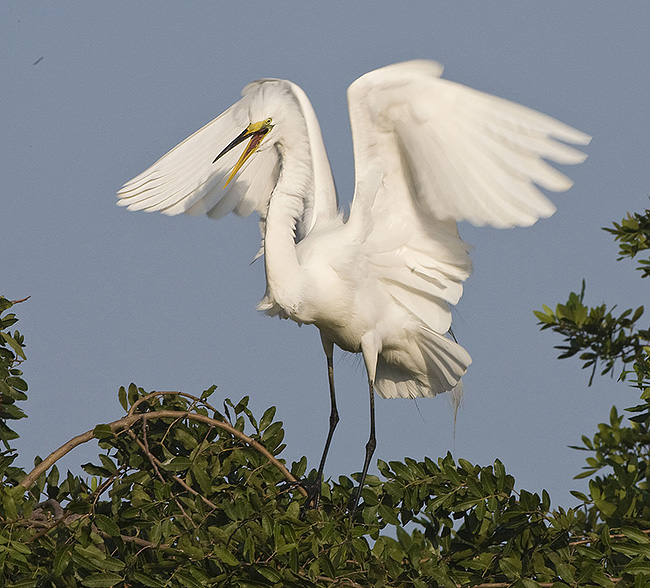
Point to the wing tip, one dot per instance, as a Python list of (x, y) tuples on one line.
[(572, 136)]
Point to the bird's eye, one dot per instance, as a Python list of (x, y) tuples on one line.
[(268, 121)]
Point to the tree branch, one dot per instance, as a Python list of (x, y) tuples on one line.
[(128, 421)]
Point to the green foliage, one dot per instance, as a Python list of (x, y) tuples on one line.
[(185, 495), (12, 387), (633, 235), (597, 333), (175, 500)]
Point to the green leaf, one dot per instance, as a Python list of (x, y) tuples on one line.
[(267, 418), (107, 525), (202, 478), (580, 496), (108, 463), (273, 435), (185, 438), (225, 556), (631, 550), (441, 577), (466, 465), (53, 476), (132, 393), (293, 511), (111, 564), (635, 534), (13, 344), (637, 568), (607, 508), (23, 584), (61, 560), (326, 566), (270, 574), (565, 570), (585, 474), (9, 505), (102, 580), (177, 464), (188, 581), (207, 393), (95, 470), (17, 383), (147, 580), (298, 468), (121, 395), (103, 431), (510, 566), (542, 317)]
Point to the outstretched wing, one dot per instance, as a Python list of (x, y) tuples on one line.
[(462, 154), (186, 180), (429, 152)]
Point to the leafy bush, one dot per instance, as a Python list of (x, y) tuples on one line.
[(185, 494)]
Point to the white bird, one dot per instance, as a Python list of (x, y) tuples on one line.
[(428, 152)]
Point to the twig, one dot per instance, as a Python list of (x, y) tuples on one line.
[(152, 460), (617, 536), (105, 484), (64, 519), (144, 543), (145, 447), (156, 463), (19, 301)]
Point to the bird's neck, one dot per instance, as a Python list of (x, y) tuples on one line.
[(304, 193), (284, 275), (323, 202)]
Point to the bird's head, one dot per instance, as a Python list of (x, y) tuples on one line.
[(256, 132)]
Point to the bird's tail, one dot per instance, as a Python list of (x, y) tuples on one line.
[(441, 363)]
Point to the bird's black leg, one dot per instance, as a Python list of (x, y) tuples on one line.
[(370, 447), (334, 419)]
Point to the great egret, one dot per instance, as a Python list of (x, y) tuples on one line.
[(428, 152)]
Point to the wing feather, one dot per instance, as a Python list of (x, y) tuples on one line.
[(187, 180), (428, 153), (467, 155), (186, 174)]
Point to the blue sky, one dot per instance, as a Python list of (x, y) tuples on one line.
[(93, 93)]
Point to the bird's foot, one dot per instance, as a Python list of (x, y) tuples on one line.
[(313, 485)]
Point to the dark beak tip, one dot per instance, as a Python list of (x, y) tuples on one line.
[(232, 144)]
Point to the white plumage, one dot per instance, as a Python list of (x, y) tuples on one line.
[(428, 153)]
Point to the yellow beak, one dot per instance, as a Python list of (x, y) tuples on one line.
[(256, 132)]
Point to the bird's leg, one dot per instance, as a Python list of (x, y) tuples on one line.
[(370, 348), (370, 447), (334, 420)]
